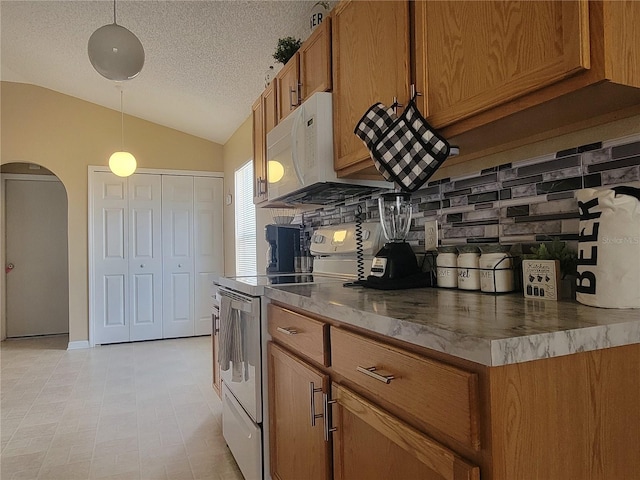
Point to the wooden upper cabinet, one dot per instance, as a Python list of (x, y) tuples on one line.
[(269, 103), (471, 56), (288, 94), (259, 153), (370, 45), (315, 61)]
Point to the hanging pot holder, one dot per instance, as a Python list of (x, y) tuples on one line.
[(377, 120), (406, 150)]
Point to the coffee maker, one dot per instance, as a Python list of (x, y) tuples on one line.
[(284, 243)]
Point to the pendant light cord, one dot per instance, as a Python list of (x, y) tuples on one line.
[(122, 118), (114, 12)]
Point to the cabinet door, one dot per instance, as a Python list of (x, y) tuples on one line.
[(315, 61), (270, 106), (178, 256), (145, 256), (369, 443), (370, 43), (208, 242), (288, 96), (259, 153), (297, 448), (472, 56), (111, 249)]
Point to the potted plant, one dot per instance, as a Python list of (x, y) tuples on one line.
[(568, 258), (286, 48)]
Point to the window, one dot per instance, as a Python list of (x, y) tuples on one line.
[(245, 221)]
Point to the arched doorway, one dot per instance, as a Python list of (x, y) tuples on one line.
[(35, 251)]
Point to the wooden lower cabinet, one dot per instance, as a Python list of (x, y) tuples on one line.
[(369, 443), (402, 413), (298, 449)]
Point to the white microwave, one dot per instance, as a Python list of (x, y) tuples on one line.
[(300, 159)]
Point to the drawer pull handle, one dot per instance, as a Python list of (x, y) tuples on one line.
[(287, 331), (371, 371), (312, 394)]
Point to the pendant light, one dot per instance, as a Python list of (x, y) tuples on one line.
[(115, 52), (122, 163)]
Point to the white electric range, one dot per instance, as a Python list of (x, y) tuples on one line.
[(245, 425)]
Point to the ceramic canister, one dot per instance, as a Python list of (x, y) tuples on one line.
[(447, 263), (468, 267), (496, 269)]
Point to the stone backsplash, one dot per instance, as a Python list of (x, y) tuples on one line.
[(527, 201)]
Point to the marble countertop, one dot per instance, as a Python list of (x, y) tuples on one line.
[(489, 329)]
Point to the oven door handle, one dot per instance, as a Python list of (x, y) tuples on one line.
[(237, 303)]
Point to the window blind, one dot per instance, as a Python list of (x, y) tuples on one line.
[(245, 221)]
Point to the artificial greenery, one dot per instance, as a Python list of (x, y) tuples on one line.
[(286, 48), (557, 250)]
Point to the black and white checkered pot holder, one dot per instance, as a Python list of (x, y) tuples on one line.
[(373, 124), (409, 151)]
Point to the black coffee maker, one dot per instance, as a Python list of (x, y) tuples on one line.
[(284, 243)]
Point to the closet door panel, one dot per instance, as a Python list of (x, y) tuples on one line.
[(110, 259), (178, 256), (145, 257), (208, 247)]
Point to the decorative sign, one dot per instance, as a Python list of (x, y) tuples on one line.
[(318, 12), (541, 279)]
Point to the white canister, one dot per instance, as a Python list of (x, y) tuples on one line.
[(469, 268), (496, 270), (447, 263)]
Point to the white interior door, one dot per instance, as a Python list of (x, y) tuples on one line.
[(209, 255), (145, 256), (37, 288), (110, 263), (178, 256)]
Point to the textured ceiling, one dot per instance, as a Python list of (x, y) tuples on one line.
[(205, 60)]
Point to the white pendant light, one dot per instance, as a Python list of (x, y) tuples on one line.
[(115, 52), (122, 163)]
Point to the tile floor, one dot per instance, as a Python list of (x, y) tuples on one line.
[(142, 410)]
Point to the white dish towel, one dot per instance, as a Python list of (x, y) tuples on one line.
[(231, 351)]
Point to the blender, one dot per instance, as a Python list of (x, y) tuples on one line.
[(395, 266)]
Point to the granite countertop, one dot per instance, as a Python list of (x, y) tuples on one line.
[(489, 329)]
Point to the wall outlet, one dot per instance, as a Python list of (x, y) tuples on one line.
[(431, 235)]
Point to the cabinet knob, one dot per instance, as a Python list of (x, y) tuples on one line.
[(179, 265), (142, 265)]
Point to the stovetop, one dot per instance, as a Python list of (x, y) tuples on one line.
[(253, 285)]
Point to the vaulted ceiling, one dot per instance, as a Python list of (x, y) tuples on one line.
[(205, 60)]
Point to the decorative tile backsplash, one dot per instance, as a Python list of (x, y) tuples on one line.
[(525, 202)]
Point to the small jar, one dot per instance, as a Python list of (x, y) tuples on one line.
[(447, 262), (496, 269), (468, 267)]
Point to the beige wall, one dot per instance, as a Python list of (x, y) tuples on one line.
[(237, 151), (66, 135)]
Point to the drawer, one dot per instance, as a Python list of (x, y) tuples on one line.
[(303, 334), (437, 394)]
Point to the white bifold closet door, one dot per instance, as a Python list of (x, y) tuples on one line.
[(110, 252), (157, 247), (191, 243), (178, 256), (127, 258), (145, 257), (209, 259)]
